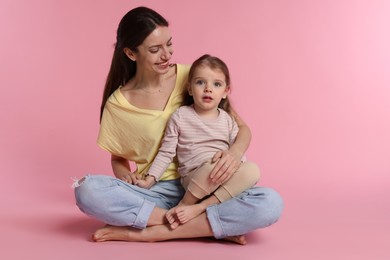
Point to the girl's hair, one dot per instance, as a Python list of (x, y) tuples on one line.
[(134, 27), (213, 63)]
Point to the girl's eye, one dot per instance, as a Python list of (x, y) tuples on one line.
[(199, 82), (219, 84)]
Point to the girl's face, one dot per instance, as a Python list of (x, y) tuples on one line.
[(155, 52), (208, 87)]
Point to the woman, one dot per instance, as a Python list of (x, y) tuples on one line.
[(142, 90)]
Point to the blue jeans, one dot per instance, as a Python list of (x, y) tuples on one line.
[(118, 203)]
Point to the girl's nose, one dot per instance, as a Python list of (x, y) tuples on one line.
[(207, 89)]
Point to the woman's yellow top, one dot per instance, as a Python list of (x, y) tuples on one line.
[(134, 133)]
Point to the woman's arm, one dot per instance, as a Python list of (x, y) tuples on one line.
[(230, 160), (121, 169)]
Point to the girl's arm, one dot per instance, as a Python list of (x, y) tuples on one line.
[(230, 160), (165, 154), (121, 169), (146, 183)]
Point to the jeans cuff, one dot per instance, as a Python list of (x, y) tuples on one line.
[(215, 222), (144, 214)]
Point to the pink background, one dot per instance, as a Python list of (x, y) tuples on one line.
[(311, 78)]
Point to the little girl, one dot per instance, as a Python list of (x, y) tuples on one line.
[(195, 132)]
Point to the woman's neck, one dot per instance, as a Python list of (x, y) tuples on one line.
[(148, 81)]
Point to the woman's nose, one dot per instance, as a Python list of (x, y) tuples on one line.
[(167, 53)]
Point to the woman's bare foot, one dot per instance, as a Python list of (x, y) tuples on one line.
[(110, 233), (236, 239), (150, 234)]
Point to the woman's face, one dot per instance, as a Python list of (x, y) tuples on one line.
[(156, 51)]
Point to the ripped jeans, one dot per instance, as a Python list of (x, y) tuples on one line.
[(118, 203)]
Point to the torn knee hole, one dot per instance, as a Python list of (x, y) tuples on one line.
[(77, 183)]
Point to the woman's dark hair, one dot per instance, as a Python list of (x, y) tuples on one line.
[(134, 27), (213, 63)]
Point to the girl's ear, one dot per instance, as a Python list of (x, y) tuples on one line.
[(227, 90), (130, 54), (189, 89)]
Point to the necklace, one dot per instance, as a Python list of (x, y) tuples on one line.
[(152, 92)]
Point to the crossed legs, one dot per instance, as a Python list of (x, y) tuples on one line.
[(198, 187), (197, 227)]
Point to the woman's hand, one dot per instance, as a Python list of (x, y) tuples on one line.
[(128, 177), (229, 161), (146, 183), (121, 169), (227, 164)]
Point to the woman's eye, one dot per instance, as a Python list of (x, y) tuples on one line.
[(153, 50), (169, 44)]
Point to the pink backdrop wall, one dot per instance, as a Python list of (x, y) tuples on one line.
[(311, 78)]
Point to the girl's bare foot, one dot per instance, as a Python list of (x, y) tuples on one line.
[(183, 213), (171, 216), (187, 212)]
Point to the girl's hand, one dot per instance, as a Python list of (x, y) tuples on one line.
[(146, 183), (227, 164)]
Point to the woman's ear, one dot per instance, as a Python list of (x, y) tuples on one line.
[(129, 53)]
